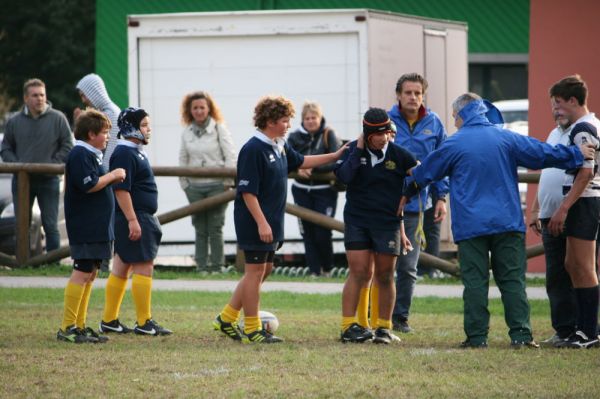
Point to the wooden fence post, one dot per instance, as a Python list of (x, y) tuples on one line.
[(22, 217)]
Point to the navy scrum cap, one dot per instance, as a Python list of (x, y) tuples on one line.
[(129, 123), (376, 120)]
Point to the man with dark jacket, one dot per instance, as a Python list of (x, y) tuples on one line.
[(39, 134)]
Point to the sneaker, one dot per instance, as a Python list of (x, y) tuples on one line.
[(114, 326), (468, 344), (554, 341), (261, 336), (88, 332), (151, 327), (579, 340), (356, 333), (524, 344), (401, 325), (394, 337), (383, 336), (74, 335), (232, 330)]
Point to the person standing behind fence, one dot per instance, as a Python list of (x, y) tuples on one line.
[(206, 143), (315, 137), (39, 134), (93, 94)]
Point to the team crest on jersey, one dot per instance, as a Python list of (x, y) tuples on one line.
[(243, 182), (363, 160), (427, 131), (390, 165), (271, 157), (140, 156)]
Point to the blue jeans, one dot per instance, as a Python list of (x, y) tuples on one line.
[(432, 234), (318, 247), (46, 190), (406, 270)]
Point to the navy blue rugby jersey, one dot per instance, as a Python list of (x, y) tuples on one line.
[(89, 216), (262, 169), (139, 180), (374, 186)]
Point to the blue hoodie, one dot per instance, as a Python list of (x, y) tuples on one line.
[(427, 135), (481, 160)]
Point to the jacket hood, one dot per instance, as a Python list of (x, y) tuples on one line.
[(93, 87), (321, 127), (480, 112)]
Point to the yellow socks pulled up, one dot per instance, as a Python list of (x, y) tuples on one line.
[(73, 295), (230, 314), (251, 324), (374, 306), (384, 323), (141, 290), (348, 321), (115, 291), (83, 306), (362, 310)]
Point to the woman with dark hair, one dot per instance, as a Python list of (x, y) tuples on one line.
[(206, 143)]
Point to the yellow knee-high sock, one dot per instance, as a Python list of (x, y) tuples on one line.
[(83, 306), (374, 306), (73, 295), (362, 310), (229, 314), (251, 324), (383, 323), (141, 290), (115, 291), (348, 321)]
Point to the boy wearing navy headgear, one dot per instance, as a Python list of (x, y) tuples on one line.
[(263, 165), (89, 211), (137, 230), (374, 170)]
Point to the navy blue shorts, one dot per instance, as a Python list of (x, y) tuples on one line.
[(376, 240), (583, 218), (92, 250), (143, 250)]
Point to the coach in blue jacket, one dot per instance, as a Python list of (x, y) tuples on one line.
[(420, 131), (481, 160)]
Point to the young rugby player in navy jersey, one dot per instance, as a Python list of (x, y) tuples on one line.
[(137, 230), (374, 169), (89, 211), (262, 172)]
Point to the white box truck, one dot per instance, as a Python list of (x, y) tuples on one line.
[(347, 60)]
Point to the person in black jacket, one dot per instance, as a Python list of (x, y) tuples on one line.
[(312, 138)]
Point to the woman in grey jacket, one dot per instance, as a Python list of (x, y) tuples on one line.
[(314, 138), (206, 142)]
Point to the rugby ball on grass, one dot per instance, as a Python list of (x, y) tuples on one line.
[(269, 321)]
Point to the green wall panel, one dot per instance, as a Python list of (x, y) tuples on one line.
[(495, 26)]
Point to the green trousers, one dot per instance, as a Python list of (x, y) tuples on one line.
[(209, 228), (505, 252)]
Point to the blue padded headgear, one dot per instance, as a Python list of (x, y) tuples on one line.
[(129, 123)]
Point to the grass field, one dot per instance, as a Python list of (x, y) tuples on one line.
[(197, 362)]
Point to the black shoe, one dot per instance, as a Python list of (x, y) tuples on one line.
[(468, 344), (356, 333), (232, 330), (74, 335), (261, 336), (151, 327), (579, 340), (383, 336), (114, 326), (401, 325), (524, 344), (88, 332)]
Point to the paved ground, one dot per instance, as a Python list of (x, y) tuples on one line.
[(421, 290)]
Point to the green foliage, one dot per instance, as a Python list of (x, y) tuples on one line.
[(53, 40)]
